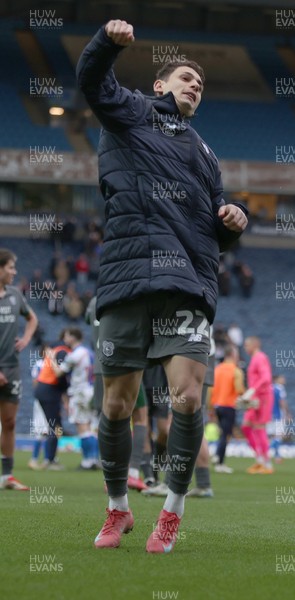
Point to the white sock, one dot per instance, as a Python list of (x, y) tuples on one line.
[(119, 503), (260, 460), (174, 503), (87, 462), (134, 473)]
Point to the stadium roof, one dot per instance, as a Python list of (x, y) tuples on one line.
[(192, 13)]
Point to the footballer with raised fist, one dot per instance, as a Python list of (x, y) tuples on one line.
[(157, 288)]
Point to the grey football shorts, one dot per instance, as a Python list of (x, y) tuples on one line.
[(11, 391), (148, 329)]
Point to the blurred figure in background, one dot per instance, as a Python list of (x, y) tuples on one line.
[(49, 391), (228, 384), (12, 305), (246, 281), (159, 418), (61, 273), (82, 270), (280, 412), (221, 339), (55, 303), (224, 277), (236, 335), (72, 303), (245, 277), (39, 428), (139, 432), (80, 366), (90, 318), (259, 378)]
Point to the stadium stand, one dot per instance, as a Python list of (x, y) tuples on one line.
[(27, 250), (15, 70), (265, 313), (256, 315), (51, 43), (16, 128), (93, 136), (235, 129), (229, 126)]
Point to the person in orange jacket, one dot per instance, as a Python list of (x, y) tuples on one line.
[(49, 391), (228, 385)]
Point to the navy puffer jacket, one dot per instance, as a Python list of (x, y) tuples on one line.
[(162, 188)]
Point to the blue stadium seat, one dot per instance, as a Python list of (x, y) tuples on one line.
[(57, 58), (234, 130), (92, 134), (13, 66), (245, 130), (17, 130)]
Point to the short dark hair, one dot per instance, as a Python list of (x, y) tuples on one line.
[(168, 68), (75, 332), (5, 256), (229, 350)]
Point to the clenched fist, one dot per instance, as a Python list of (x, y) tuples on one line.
[(120, 32), (233, 217)]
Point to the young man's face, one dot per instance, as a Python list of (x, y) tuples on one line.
[(7, 273), (186, 86)]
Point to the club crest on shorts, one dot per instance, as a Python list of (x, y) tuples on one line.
[(108, 348)]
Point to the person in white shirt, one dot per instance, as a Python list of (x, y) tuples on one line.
[(80, 364)]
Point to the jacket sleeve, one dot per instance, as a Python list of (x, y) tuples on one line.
[(225, 236), (112, 104)]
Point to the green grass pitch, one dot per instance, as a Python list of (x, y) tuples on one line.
[(229, 547)]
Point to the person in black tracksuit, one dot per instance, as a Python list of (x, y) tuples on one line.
[(166, 223)]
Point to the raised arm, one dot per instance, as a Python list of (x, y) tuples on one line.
[(111, 103)]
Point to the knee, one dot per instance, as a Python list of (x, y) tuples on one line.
[(113, 407), (8, 424), (187, 400), (116, 407)]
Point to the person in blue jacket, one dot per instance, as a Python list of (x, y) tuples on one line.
[(166, 223)]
